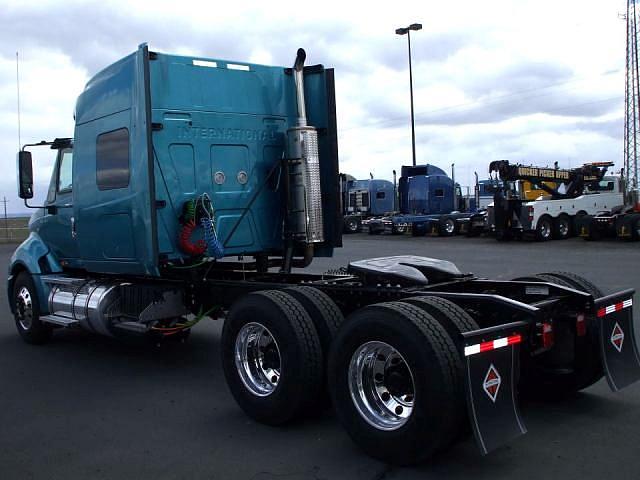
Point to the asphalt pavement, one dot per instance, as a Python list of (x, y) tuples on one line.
[(90, 407)]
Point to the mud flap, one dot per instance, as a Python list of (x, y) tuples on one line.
[(617, 339), (492, 369)]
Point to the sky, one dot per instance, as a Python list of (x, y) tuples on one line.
[(531, 81)]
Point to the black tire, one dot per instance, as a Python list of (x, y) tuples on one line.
[(455, 321), (434, 364), (324, 313), (300, 355), (447, 227), (578, 282), (562, 227), (453, 318), (544, 229), (326, 318), (352, 225), (542, 377), (27, 311)]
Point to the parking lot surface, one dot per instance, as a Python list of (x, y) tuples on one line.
[(90, 407)]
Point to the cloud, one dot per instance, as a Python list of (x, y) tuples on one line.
[(518, 79)]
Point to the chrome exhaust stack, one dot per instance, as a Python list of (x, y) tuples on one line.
[(305, 209)]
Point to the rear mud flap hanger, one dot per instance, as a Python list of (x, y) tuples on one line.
[(492, 358)]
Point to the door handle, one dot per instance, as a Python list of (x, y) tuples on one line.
[(74, 234)]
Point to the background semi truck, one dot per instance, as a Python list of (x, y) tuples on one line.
[(197, 188), (363, 199), (428, 201)]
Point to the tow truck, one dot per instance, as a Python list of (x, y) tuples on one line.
[(200, 188), (571, 194)]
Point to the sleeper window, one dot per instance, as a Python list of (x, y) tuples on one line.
[(112, 160)]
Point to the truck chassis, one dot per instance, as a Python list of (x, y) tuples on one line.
[(413, 325)]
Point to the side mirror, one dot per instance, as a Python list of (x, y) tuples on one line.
[(25, 175)]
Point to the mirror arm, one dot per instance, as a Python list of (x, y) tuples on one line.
[(33, 206)]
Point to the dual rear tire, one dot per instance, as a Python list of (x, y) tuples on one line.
[(274, 346), (396, 378), (394, 370), (552, 375)]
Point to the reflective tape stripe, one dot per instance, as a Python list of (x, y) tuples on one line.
[(491, 345), (501, 342), (616, 307)]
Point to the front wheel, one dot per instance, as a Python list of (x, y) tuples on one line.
[(447, 227), (352, 225), (27, 311), (394, 373)]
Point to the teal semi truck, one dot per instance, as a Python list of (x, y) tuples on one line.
[(196, 188)]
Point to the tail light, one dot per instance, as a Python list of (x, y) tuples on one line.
[(547, 335), (530, 213), (581, 325)]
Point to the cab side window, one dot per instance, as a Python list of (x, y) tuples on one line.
[(112, 159), (65, 178)]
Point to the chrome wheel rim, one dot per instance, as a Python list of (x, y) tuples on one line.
[(381, 385), (545, 229), (24, 308), (449, 226), (257, 359), (563, 228)]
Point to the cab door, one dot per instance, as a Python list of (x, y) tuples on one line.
[(58, 224)]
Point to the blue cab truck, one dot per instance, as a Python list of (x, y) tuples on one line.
[(430, 202), (200, 188), (363, 199)]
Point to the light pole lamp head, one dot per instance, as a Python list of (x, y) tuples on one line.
[(402, 31), (415, 26)]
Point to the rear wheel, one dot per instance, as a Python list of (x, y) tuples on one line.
[(394, 375), (455, 321), (562, 227), (272, 357), (544, 229), (326, 318), (573, 363), (27, 311)]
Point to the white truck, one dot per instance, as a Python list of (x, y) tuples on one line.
[(555, 218), (567, 195)]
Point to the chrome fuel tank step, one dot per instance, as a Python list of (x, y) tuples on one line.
[(101, 305)]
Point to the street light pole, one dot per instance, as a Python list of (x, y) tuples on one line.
[(407, 31)]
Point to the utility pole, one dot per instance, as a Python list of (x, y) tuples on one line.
[(632, 106), (6, 219)]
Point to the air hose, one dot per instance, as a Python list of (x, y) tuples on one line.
[(197, 213)]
